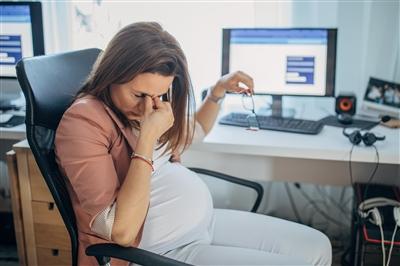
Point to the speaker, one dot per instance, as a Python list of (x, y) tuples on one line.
[(345, 107)]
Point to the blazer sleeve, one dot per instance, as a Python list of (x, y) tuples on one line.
[(82, 144)]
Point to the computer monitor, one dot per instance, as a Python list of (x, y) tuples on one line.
[(283, 61), (21, 36)]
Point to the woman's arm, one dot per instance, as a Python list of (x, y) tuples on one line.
[(208, 111), (134, 195)]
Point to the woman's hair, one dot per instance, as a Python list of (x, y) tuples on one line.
[(145, 47)]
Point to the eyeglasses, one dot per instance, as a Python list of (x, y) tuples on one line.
[(166, 97), (248, 104)]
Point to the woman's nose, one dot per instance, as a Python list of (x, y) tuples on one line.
[(141, 106)]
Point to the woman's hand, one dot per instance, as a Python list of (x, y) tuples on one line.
[(231, 83), (158, 117)]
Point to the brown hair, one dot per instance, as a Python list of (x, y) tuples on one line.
[(145, 47)]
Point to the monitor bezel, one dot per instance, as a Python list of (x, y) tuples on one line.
[(331, 58), (35, 12)]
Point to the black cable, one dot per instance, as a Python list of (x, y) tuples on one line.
[(373, 172), (344, 260), (351, 170), (326, 216), (324, 194), (342, 195), (294, 207)]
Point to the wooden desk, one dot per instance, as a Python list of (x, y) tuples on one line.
[(42, 238), (267, 155)]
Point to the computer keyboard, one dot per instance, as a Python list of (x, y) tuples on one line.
[(7, 120), (274, 123)]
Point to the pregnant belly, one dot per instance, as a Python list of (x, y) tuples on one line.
[(180, 209)]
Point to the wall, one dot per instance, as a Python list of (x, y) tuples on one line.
[(368, 38)]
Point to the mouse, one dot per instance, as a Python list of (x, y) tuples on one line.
[(345, 119)]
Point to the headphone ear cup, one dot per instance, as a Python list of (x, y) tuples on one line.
[(375, 217), (369, 138), (355, 137)]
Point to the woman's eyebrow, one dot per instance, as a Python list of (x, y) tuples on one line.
[(146, 94)]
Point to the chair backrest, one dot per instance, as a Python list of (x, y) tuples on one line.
[(50, 84)]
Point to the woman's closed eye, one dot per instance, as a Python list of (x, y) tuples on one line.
[(139, 95)]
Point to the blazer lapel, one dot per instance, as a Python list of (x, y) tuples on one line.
[(126, 131)]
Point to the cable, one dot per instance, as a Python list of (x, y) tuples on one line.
[(370, 178), (296, 213), (383, 245), (324, 194), (351, 170), (373, 172), (342, 195), (391, 245), (317, 208)]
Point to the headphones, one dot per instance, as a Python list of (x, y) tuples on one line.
[(368, 209), (356, 136)]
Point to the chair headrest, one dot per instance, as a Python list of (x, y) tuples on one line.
[(50, 83)]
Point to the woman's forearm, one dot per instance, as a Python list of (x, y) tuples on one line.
[(208, 111), (134, 195)]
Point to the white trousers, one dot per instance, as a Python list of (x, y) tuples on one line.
[(244, 238)]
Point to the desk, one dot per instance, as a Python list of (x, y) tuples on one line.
[(8, 137), (13, 133), (273, 155)]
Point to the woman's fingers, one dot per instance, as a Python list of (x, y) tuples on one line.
[(246, 80), (148, 106), (158, 104), (238, 82)]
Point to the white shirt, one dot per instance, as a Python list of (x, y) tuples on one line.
[(180, 209)]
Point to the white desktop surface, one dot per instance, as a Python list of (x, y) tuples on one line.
[(13, 133), (329, 144), (280, 156)]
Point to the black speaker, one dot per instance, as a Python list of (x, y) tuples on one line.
[(345, 107)]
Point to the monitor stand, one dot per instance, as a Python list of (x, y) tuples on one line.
[(276, 109)]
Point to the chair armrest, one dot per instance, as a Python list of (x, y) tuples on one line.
[(103, 253), (247, 183)]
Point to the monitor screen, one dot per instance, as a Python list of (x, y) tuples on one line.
[(15, 38), (283, 61), (21, 34)]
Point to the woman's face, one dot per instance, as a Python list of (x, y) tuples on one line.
[(129, 97)]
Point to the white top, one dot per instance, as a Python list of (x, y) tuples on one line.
[(180, 209)]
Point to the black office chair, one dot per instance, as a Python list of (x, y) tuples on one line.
[(49, 84)]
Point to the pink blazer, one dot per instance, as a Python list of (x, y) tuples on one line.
[(93, 150)]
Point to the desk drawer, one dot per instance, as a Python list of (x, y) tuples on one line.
[(39, 189), (52, 236), (46, 213), (51, 257)]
